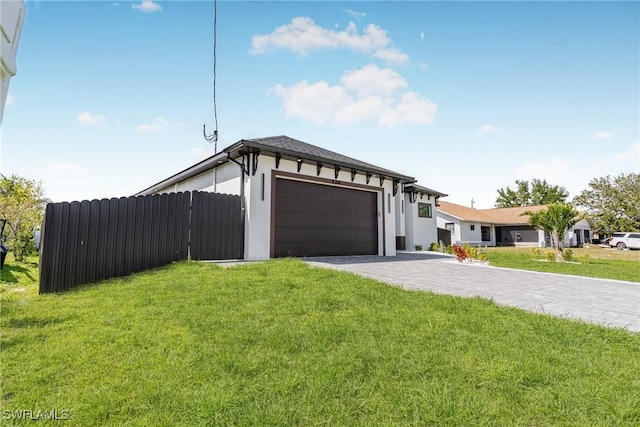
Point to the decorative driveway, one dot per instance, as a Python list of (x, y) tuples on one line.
[(611, 303)]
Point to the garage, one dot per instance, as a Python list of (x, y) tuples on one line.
[(312, 219)]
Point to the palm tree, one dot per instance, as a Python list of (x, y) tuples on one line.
[(555, 220)]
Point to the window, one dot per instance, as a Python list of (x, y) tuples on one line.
[(450, 226), (486, 233), (473, 227), (424, 210)]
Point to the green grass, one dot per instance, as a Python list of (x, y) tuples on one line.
[(19, 274), (601, 263), (280, 343)]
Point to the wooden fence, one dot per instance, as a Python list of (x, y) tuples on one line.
[(84, 242)]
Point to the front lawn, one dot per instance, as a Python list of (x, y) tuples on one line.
[(589, 261), (280, 343)]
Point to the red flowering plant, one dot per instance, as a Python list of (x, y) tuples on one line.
[(461, 253)]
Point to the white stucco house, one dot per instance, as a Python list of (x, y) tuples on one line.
[(502, 227), (304, 200)]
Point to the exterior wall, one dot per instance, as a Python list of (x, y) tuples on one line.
[(467, 235), (420, 230), (227, 179), (399, 202), (258, 204), (201, 182), (474, 237)]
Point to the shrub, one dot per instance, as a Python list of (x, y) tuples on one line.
[(483, 254), (583, 258), (472, 252), (450, 250), (568, 255), (536, 252), (551, 257), (461, 254), (417, 247), (434, 247)]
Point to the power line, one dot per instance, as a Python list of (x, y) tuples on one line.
[(213, 138)]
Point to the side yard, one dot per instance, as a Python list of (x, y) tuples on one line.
[(281, 343), (590, 261)]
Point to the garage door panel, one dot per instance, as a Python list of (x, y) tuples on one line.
[(317, 220), (289, 234)]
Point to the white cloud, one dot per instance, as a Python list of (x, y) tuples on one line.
[(315, 102), (367, 94), (412, 108), (422, 36), (555, 170), (487, 129), (65, 168), (355, 13), (303, 35), (9, 100), (155, 126), (89, 119), (147, 6), (603, 135), (370, 79)]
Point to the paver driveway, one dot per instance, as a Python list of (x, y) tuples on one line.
[(607, 302)]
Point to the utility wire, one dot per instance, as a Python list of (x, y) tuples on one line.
[(213, 138)]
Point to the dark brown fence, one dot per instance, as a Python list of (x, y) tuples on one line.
[(217, 226), (444, 236), (84, 242)]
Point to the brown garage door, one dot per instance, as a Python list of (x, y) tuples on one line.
[(320, 220)]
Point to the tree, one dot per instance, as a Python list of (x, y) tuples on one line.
[(613, 203), (22, 204), (539, 192), (555, 220)]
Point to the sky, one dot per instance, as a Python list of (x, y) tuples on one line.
[(111, 97)]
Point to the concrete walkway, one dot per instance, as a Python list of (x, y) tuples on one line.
[(611, 303)]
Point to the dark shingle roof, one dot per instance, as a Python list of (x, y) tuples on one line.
[(287, 148), (290, 147), (420, 189)]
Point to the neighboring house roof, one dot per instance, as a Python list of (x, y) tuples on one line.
[(284, 147), (494, 216)]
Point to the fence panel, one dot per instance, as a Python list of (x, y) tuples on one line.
[(217, 228)]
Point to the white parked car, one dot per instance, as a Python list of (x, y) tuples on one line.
[(625, 240)]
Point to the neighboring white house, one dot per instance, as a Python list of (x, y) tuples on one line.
[(303, 200), (502, 227)]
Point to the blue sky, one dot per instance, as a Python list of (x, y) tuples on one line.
[(110, 97)]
